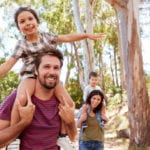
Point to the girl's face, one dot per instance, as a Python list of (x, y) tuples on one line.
[(95, 101), (27, 23)]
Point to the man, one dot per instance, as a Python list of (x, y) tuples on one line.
[(26, 115), (44, 129)]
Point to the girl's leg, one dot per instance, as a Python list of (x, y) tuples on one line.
[(26, 85), (63, 140), (65, 99), (63, 96), (63, 128)]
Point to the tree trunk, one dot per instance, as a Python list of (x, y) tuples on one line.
[(111, 68), (79, 67), (138, 102), (116, 68), (101, 71), (139, 105), (122, 74), (89, 4), (86, 44)]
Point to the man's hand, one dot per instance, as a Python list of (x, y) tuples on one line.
[(66, 113), (26, 112)]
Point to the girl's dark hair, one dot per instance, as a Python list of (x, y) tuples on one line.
[(20, 10), (93, 93)]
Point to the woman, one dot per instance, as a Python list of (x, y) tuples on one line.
[(92, 137)]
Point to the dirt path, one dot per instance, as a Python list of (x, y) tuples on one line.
[(116, 144), (110, 144)]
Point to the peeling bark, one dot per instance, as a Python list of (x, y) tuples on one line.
[(86, 44), (118, 3), (138, 102)]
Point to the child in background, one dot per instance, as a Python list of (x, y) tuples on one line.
[(93, 81), (27, 48)]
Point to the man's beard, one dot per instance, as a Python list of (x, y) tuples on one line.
[(47, 86)]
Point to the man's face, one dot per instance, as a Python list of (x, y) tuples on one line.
[(48, 73)]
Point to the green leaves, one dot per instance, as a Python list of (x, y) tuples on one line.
[(7, 83)]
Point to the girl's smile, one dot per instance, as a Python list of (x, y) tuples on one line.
[(27, 23)]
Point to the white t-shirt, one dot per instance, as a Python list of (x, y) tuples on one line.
[(88, 89)]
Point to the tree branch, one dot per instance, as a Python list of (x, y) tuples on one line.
[(118, 3)]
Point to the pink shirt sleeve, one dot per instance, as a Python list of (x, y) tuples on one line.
[(6, 106)]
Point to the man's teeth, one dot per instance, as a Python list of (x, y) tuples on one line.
[(51, 78)]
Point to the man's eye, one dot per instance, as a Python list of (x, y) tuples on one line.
[(56, 68)]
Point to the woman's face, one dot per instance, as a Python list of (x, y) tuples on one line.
[(95, 101)]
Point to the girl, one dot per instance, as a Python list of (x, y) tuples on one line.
[(92, 137), (27, 22)]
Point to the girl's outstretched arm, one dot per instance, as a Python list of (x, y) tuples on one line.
[(6, 66), (77, 37)]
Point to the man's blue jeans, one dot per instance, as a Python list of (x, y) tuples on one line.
[(91, 145)]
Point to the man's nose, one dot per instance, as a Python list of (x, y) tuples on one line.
[(51, 70)]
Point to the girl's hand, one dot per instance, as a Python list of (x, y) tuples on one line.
[(96, 36)]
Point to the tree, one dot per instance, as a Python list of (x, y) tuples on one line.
[(138, 102), (86, 44), (7, 83), (56, 16)]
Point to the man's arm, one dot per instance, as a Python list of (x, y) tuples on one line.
[(26, 114), (10, 133)]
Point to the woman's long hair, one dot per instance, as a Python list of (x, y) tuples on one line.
[(91, 94)]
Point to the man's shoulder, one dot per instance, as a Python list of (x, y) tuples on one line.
[(6, 106), (11, 96)]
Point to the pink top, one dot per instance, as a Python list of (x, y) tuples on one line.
[(43, 132)]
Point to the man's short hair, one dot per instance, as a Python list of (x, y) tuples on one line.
[(48, 51)]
